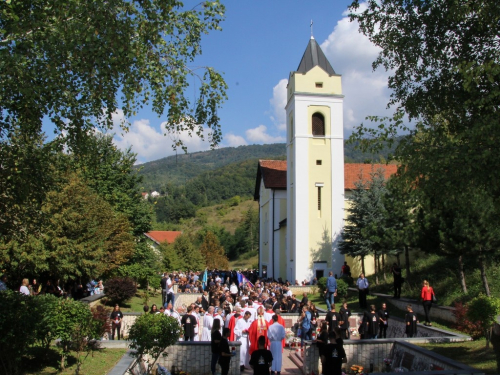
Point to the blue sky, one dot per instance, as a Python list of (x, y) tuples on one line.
[(260, 43)]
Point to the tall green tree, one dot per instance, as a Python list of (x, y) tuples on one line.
[(182, 254), (363, 230), (213, 252), (109, 172), (75, 63)]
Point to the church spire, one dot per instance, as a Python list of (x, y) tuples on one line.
[(314, 56)]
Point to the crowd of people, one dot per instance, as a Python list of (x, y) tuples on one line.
[(246, 312)]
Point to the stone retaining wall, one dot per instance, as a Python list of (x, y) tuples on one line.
[(195, 357), (371, 353)]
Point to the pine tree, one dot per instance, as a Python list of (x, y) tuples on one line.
[(213, 252)]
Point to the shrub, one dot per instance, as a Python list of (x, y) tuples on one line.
[(120, 289), (342, 286), (463, 324), (151, 334), (484, 310), (101, 318)]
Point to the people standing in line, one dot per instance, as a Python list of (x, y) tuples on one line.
[(330, 290), (208, 321), (345, 314), (116, 322), (188, 323), (261, 359), (305, 323), (383, 316), (24, 287), (362, 284), (163, 285), (371, 320), (334, 353), (321, 343), (427, 295), (398, 279), (241, 334), (333, 318), (215, 342), (276, 334), (224, 352), (170, 290), (411, 321)]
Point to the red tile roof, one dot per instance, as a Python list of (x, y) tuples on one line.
[(353, 172), (160, 236), (273, 172)]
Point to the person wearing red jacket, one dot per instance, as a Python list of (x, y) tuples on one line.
[(426, 295)]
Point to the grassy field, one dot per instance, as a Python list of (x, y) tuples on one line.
[(47, 362)]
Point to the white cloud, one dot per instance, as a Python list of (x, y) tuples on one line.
[(259, 135), (278, 103), (231, 140), (351, 55), (149, 143)]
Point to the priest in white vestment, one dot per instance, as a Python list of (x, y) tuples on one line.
[(208, 321), (276, 333), (241, 335)]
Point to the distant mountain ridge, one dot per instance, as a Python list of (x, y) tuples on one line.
[(177, 170)]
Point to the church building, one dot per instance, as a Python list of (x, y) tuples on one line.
[(302, 200)]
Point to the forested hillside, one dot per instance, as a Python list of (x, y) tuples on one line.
[(180, 169)]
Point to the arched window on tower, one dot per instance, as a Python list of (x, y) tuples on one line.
[(318, 125)]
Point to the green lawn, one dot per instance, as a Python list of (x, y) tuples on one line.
[(43, 362), (136, 304)]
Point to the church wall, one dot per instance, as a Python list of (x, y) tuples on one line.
[(307, 82), (264, 240)]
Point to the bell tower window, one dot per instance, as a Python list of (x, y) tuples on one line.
[(318, 125)]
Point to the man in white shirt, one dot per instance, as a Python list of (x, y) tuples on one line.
[(170, 290), (250, 308), (241, 335)]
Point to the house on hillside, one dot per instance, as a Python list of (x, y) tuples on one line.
[(157, 237), (302, 200)]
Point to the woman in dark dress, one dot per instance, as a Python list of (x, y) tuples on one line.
[(345, 314)]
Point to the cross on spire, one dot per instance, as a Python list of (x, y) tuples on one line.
[(312, 37)]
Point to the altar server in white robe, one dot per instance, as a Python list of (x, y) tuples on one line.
[(241, 335), (276, 333), (208, 321)]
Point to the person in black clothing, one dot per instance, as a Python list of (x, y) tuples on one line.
[(345, 313), (188, 323), (321, 343), (398, 280), (333, 352), (333, 318), (116, 322), (163, 284), (383, 316), (261, 358), (216, 338), (411, 321), (371, 321), (224, 352)]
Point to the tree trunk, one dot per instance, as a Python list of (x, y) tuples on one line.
[(363, 265), (462, 274), (407, 261), (375, 256), (397, 257), (484, 279), (383, 267)]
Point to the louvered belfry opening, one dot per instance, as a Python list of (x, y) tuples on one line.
[(318, 125)]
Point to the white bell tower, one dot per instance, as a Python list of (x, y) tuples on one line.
[(315, 167)]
